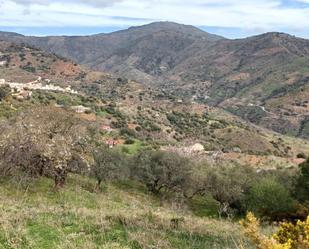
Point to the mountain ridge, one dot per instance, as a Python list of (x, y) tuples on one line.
[(193, 65), (42, 79)]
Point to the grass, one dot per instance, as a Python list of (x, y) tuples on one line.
[(132, 148), (204, 206), (121, 216)]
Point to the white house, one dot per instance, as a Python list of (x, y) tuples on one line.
[(3, 63), (80, 108)]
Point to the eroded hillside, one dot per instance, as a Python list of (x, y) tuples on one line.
[(133, 115)]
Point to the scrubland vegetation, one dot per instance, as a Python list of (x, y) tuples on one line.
[(63, 187)]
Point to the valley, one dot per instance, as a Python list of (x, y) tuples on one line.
[(158, 136), (194, 65)]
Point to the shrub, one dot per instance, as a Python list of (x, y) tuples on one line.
[(294, 235), (128, 132), (138, 128), (269, 198), (29, 68), (129, 141), (302, 182), (4, 91), (301, 155), (289, 236), (6, 111)]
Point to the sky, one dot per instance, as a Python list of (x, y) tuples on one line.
[(229, 18)]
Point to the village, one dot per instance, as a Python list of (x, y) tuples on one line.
[(24, 90)]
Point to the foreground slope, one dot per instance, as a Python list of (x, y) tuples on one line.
[(119, 217)]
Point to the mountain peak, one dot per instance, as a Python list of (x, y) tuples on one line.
[(167, 24), (173, 26)]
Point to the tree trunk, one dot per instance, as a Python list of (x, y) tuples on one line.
[(60, 178), (98, 185)]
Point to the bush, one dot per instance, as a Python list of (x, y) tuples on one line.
[(138, 128), (4, 91), (128, 132), (6, 111), (29, 68), (302, 182), (129, 141), (289, 236), (269, 198), (301, 155)]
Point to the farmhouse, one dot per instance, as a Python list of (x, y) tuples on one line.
[(80, 109), (107, 128), (111, 143), (3, 63)]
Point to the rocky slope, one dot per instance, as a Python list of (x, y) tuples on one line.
[(134, 111), (263, 79)]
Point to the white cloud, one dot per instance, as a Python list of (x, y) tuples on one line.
[(303, 1), (245, 14), (48, 2)]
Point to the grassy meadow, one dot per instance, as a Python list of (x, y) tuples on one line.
[(121, 215)]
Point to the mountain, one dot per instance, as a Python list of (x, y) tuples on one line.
[(263, 79), (150, 116), (139, 53)]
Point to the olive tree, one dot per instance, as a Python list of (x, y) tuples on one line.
[(23, 160), (160, 170), (41, 141), (108, 165), (224, 183)]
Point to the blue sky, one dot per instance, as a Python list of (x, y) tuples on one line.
[(229, 18)]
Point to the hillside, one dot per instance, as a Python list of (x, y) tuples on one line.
[(24, 64), (263, 79), (96, 160), (119, 217), (134, 111), (131, 109)]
